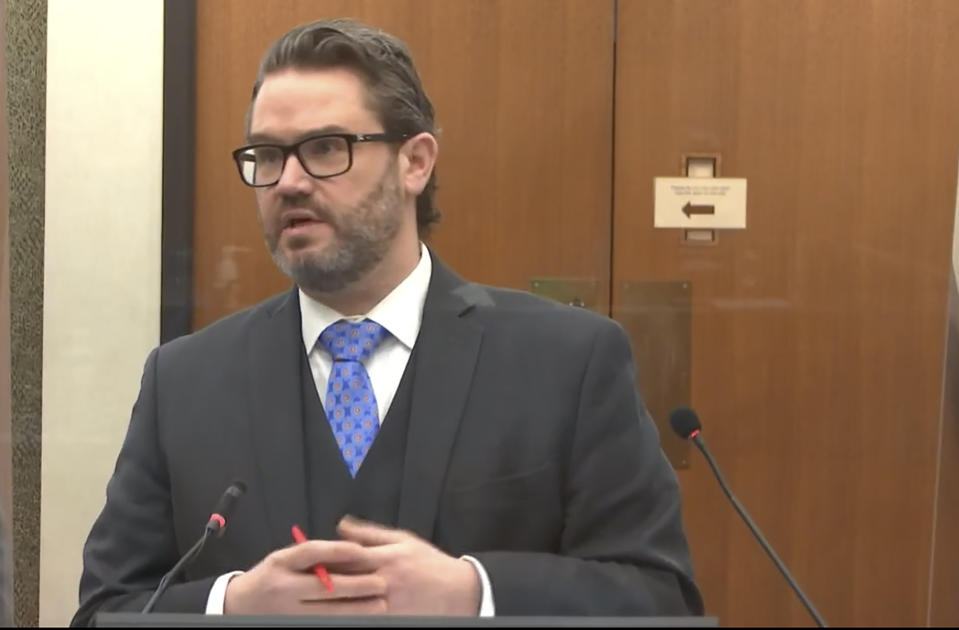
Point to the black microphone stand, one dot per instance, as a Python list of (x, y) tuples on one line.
[(698, 441), (177, 569)]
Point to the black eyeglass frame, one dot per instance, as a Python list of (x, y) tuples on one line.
[(286, 150)]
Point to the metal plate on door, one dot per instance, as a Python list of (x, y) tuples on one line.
[(580, 292)]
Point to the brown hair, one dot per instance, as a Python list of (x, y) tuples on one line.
[(395, 91)]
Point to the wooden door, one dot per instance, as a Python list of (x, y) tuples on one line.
[(817, 333), (523, 94)]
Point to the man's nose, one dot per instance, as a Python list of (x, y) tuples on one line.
[(294, 178)]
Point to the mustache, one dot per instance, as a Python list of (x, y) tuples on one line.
[(320, 212)]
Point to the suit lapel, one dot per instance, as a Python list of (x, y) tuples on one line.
[(446, 351), (276, 417)]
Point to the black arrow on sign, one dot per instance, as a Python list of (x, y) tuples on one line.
[(689, 209)]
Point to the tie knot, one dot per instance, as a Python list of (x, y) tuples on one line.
[(352, 341)]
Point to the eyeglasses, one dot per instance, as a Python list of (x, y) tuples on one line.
[(322, 156)]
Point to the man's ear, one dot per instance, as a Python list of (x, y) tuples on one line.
[(417, 159)]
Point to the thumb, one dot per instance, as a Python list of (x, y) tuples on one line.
[(367, 533)]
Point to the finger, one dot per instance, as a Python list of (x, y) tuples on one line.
[(345, 607), (307, 587), (305, 556), (367, 564), (369, 534)]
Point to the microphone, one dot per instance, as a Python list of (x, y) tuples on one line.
[(215, 526), (685, 423)]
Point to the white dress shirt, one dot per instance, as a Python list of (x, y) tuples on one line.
[(400, 313)]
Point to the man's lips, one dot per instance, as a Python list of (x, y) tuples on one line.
[(302, 228), (299, 223), (298, 219)]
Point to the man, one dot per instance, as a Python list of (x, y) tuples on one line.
[(449, 448)]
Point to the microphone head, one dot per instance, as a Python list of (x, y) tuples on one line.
[(237, 489), (221, 512), (685, 422)]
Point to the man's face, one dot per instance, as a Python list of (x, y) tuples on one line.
[(325, 233)]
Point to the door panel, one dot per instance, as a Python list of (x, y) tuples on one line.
[(523, 95), (817, 332)]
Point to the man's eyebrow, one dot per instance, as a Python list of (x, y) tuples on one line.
[(266, 138)]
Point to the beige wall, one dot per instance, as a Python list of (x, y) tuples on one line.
[(102, 261)]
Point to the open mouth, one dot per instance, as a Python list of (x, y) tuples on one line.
[(299, 221), (294, 223)]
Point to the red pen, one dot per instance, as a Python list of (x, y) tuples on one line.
[(319, 569)]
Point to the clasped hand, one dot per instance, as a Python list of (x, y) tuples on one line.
[(374, 570)]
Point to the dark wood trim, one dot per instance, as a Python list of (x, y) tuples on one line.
[(179, 129)]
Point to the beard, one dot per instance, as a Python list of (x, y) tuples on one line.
[(362, 236)]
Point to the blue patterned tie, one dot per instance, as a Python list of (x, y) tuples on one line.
[(350, 401)]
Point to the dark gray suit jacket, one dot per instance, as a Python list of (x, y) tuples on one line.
[(528, 448)]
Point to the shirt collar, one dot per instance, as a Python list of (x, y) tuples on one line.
[(400, 312)]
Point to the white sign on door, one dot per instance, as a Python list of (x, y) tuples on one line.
[(700, 203)]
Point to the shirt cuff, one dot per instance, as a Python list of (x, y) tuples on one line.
[(487, 607), (217, 598)]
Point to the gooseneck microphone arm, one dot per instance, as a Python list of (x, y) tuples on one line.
[(685, 423), (176, 570), (215, 526), (698, 441)]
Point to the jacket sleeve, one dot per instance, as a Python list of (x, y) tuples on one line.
[(132, 543), (623, 548)]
